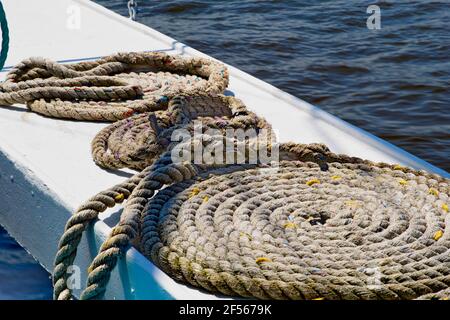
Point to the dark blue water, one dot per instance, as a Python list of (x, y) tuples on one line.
[(20, 275), (393, 82)]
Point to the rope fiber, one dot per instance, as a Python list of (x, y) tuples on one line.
[(136, 142), (322, 226), (109, 89), (310, 224)]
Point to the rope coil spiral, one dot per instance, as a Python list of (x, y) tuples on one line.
[(305, 231), (279, 236), (136, 142)]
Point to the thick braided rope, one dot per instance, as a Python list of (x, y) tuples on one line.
[(111, 88), (86, 213), (136, 142), (154, 177), (349, 229), (128, 228)]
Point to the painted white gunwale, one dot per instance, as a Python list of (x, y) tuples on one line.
[(41, 196)]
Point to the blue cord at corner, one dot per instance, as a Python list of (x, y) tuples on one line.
[(5, 36)]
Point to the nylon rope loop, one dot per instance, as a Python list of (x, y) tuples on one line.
[(111, 88)]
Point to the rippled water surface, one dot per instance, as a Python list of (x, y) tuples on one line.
[(393, 82), (20, 275)]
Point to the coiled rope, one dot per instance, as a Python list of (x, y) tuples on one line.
[(112, 88), (136, 142), (322, 226), (182, 109), (301, 234)]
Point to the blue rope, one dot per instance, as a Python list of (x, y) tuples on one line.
[(5, 36)]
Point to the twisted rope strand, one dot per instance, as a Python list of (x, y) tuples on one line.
[(137, 141), (319, 226), (129, 82), (282, 237), (328, 251), (78, 222), (126, 231)]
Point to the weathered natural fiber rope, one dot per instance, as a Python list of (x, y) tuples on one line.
[(136, 142), (441, 295), (182, 109), (111, 88), (77, 224), (322, 226), (301, 234), (335, 228)]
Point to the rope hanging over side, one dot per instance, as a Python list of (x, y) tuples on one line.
[(182, 109), (111, 88), (86, 213)]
